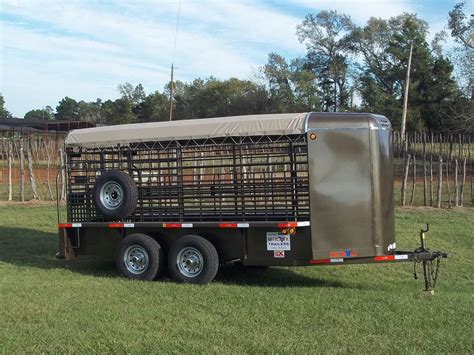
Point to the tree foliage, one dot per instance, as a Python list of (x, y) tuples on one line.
[(326, 37), (4, 113), (45, 114)]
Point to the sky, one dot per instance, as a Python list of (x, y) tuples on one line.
[(50, 49)]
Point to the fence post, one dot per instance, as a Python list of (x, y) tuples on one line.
[(464, 166), (425, 178), (48, 147), (405, 178), (22, 173), (414, 180), (431, 170), (63, 176), (440, 181), (456, 184), (32, 174), (447, 184), (10, 163)]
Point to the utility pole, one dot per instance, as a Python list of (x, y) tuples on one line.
[(171, 94), (405, 98)]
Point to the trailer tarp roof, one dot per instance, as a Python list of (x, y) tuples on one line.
[(253, 125)]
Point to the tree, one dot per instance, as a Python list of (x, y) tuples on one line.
[(461, 28), (463, 33), (67, 110), (90, 111), (278, 73), (39, 114), (384, 47), (155, 107), (134, 95), (292, 86), (4, 113), (214, 98), (118, 112), (326, 37)]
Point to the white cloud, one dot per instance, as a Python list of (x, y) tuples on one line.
[(71, 45), (83, 49)]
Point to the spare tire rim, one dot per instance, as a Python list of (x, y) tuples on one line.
[(111, 195), (136, 259), (190, 262)]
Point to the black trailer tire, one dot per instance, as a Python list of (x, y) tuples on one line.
[(193, 259), (139, 257), (115, 195)]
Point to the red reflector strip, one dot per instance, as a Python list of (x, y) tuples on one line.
[(321, 261), (234, 225), (288, 225), (70, 225), (228, 225), (327, 261), (121, 225), (177, 225), (391, 257), (384, 258)]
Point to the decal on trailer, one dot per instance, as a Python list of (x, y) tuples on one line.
[(343, 254), (278, 241), (278, 253)]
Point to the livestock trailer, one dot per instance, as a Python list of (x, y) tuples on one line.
[(264, 190)]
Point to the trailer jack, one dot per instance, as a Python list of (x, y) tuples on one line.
[(431, 261)]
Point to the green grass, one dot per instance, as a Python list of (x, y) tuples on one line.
[(47, 305)]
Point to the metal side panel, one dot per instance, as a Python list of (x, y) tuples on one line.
[(382, 165), (341, 192)]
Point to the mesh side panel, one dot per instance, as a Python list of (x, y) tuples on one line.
[(234, 179)]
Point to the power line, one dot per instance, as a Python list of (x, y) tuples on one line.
[(176, 31), (172, 59)]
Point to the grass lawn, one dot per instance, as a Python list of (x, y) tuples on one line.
[(48, 305)]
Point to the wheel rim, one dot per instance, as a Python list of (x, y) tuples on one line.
[(111, 195), (190, 262), (136, 259)]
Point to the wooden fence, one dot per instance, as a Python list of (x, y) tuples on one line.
[(29, 164), (433, 169), (429, 169)]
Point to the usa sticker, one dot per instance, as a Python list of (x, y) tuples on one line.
[(278, 241), (278, 253)]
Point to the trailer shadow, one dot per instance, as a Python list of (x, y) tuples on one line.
[(34, 248), (271, 277)]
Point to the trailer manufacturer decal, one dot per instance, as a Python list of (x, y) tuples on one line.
[(278, 241)]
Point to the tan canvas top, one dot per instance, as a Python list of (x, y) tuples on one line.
[(271, 124)]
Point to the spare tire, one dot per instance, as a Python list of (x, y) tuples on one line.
[(115, 195)]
